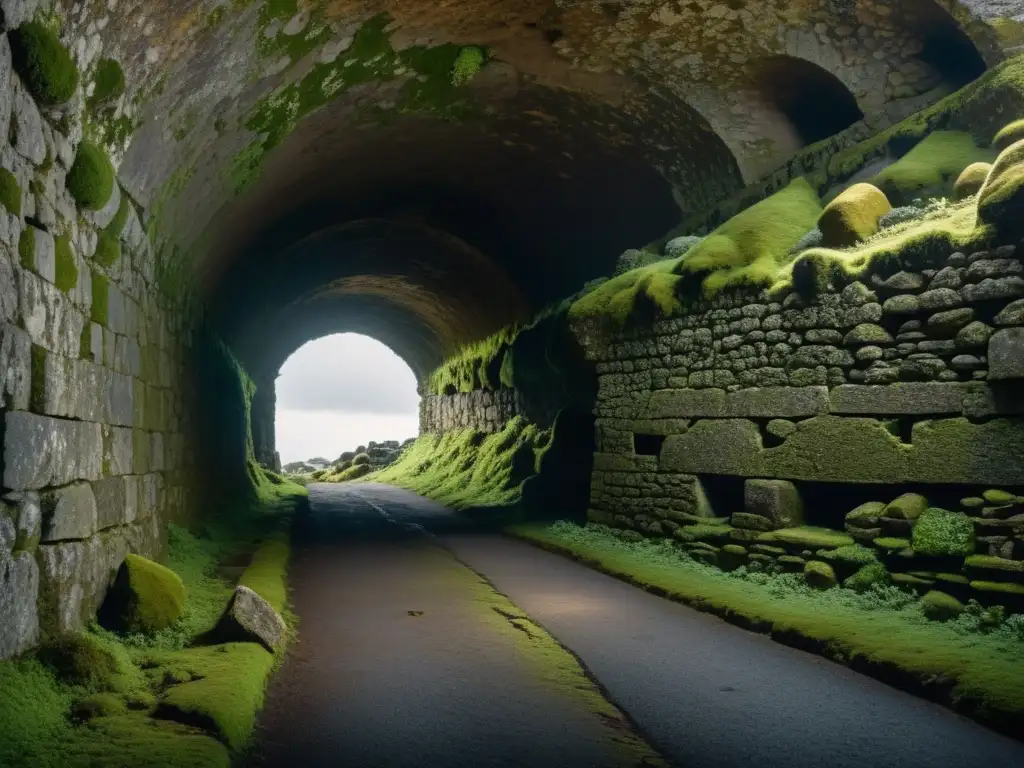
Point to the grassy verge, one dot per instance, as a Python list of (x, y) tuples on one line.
[(167, 699), (976, 670)]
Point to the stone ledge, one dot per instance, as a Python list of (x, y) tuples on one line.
[(40, 451)]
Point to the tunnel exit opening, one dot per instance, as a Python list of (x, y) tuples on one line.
[(336, 395)]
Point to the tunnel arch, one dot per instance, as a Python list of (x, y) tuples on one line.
[(815, 103)]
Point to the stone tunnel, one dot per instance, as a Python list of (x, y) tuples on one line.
[(194, 189)]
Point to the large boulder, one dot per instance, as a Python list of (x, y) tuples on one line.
[(853, 216), (251, 618), (146, 597), (971, 180)]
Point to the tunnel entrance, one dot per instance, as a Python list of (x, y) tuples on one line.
[(339, 393), (815, 102)]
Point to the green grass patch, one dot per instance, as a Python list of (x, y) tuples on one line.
[(107, 699), (931, 167), (468, 469), (882, 631)]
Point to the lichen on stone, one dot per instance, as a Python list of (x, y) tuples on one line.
[(27, 248), (66, 267), (108, 249)]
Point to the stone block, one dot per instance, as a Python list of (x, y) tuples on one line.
[(19, 589), (49, 316), (959, 451), (686, 403), (721, 446), (897, 399), (8, 292), (117, 450), (110, 502), (776, 500), (75, 576), (15, 367), (777, 402), (40, 451), (1006, 354), (69, 513), (131, 498), (614, 462), (838, 449)]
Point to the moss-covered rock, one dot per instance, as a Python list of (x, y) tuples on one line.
[(1001, 199), (939, 606), (99, 705), (971, 180), (988, 568), (79, 660), (819, 575), (146, 596), (940, 532), (27, 248), (808, 537), (44, 64), (892, 543), (852, 554), (909, 506), (866, 577), (91, 178), (1008, 134), (360, 458), (468, 63), (930, 168), (10, 192), (866, 515), (853, 216), (997, 496)]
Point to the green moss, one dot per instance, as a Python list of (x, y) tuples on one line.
[(100, 705), (352, 472), (108, 82), (37, 392), (819, 575), (79, 659), (971, 180), (867, 577), (941, 532), (370, 58), (65, 265), (44, 64), (149, 596), (854, 554), (91, 178), (750, 247), (853, 216), (938, 606), (100, 298), (875, 629), (10, 192), (989, 563), (908, 506), (703, 532), (1008, 134), (998, 496), (467, 469), (468, 63), (891, 543), (808, 537), (360, 458), (108, 249), (1001, 199), (266, 572), (27, 248), (931, 167)]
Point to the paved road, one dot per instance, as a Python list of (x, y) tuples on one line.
[(371, 686)]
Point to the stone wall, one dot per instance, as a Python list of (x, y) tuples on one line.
[(90, 360), (905, 381), (481, 409)]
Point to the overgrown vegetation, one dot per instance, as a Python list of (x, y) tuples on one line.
[(91, 178), (66, 269), (108, 83), (10, 192), (882, 630), (166, 698)]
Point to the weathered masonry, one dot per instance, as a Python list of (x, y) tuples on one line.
[(749, 415), (192, 189)]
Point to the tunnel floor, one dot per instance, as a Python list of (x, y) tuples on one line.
[(405, 658)]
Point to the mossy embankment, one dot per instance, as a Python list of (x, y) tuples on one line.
[(974, 667), (173, 698)]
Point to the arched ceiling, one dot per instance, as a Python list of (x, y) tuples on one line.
[(320, 167)]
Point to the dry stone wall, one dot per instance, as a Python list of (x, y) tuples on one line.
[(747, 417), (94, 456), (482, 410)]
